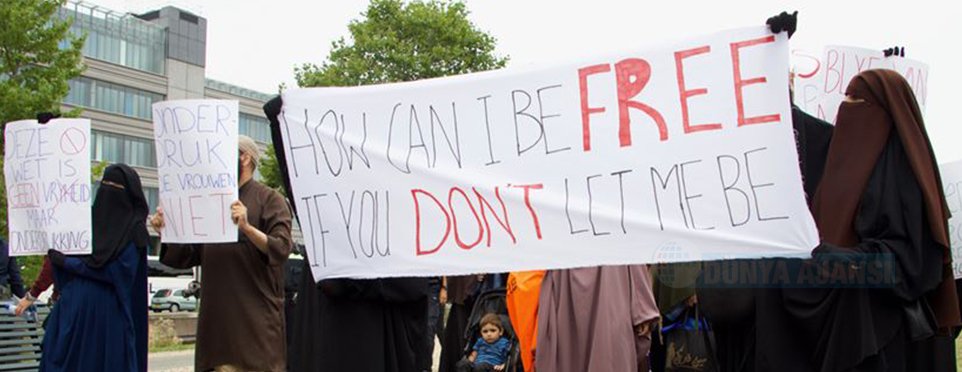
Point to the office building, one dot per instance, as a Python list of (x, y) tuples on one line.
[(134, 61)]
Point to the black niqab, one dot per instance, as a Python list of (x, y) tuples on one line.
[(119, 216)]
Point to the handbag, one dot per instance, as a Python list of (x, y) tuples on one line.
[(689, 344)]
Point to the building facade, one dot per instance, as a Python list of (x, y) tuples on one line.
[(134, 61)]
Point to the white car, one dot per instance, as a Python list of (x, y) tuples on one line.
[(172, 300)]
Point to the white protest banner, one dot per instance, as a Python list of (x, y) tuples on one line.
[(805, 80), (682, 152), (47, 170), (197, 169), (821, 95), (952, 184)]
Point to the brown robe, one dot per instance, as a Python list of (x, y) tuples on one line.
[(241, 321), (587, 316)]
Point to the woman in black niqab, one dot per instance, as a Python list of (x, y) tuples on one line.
[(100, 321), (878, 207), (119, 215)]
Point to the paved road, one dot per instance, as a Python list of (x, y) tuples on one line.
[(172, 361), (183, 361)]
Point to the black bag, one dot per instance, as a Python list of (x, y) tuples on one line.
[(689, 344)]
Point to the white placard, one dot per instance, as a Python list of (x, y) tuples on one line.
[(682, 152), (47, 170), (806, 66), (952, 183), (197, 169), (821, 91)]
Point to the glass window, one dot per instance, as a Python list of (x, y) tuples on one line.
[(118, 148), (117, 38), (109, 97), (255, 127), (153, 196)]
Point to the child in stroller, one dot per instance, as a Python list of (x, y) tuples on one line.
[(489, 304), (490, 352)]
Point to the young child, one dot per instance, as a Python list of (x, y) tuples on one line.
[(490, 352)]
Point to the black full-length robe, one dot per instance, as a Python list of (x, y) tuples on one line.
[(353, 325), (359, 325), (828, 326), (732, 311), (880, 209)]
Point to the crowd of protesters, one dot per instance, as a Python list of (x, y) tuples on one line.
[(871, 182)]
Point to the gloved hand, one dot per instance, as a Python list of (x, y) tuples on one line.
[(56, 257), (273, 107), (44, 117), (824, 248), (895, 51), (783, 22)]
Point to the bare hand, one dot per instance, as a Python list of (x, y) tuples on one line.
[(691, 301), (238, 213), (644, 329), (499, 367), (22, 306), (443, 296), (157, 220)]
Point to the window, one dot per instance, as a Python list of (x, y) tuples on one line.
[(255, 127), (117, 38), (112, 98), (118, 148), (153, 196)]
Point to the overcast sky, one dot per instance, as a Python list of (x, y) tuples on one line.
[(256, 44)]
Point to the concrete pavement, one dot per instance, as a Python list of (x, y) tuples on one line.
[(171, 361)]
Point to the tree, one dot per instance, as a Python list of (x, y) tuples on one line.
[(271, 171), (34, 68), (394, 42)]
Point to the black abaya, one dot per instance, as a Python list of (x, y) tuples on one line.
[(866, 329), (732, 311), (359, 325)]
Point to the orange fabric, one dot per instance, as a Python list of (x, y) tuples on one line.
[(524, 288)]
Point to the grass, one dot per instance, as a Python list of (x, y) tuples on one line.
[(958, 353), (171, 347)]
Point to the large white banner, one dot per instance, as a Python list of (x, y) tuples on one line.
[(47, 170), (682, 152), (820, 90), (952, 183), (197, 169)]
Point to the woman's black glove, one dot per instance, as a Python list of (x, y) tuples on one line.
[(783, 22), (895, 51), (44, 117)]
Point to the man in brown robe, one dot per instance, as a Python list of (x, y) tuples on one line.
[(241, 321), (595, 319)]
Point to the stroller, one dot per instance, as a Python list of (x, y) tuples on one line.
[(493, 301)]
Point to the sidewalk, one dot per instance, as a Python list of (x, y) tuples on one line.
[(183, 361), (171, 361)]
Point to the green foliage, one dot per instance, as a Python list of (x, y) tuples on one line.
[(97, 171), (396, 41), (34, 69), (271, 171), (29, 268)]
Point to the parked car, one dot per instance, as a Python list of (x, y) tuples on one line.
[(172, 300)]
